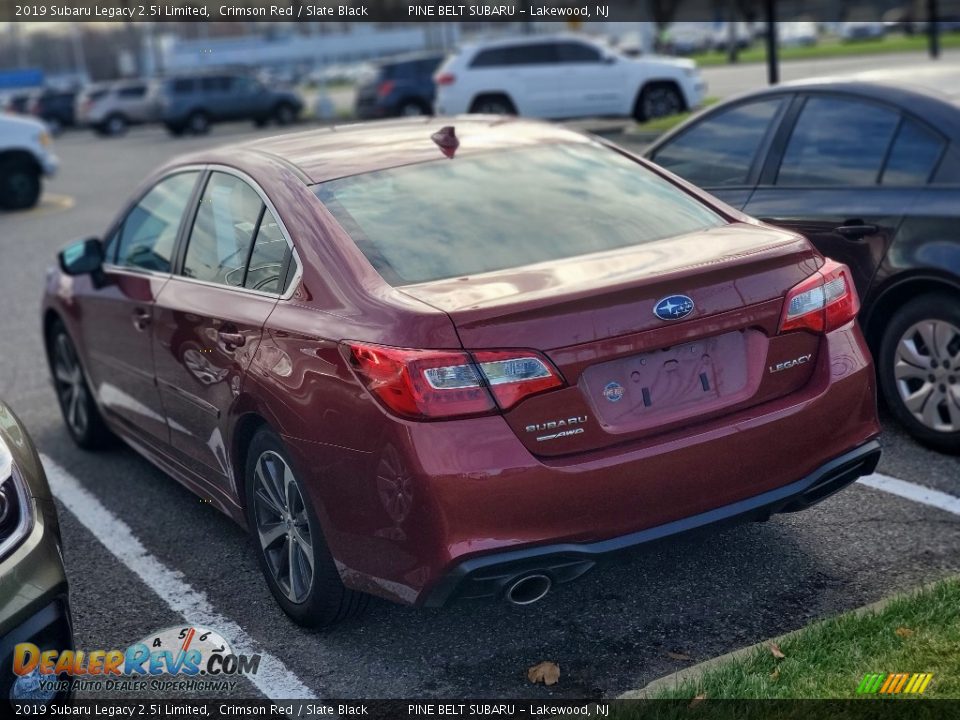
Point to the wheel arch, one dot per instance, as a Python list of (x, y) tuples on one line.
[(896, 292), (655, 81), (22, 155), (247, 424), (478, 96)]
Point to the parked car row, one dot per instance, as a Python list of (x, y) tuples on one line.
[(182, 103)]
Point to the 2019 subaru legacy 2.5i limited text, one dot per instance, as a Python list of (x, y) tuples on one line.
[(439, 363)]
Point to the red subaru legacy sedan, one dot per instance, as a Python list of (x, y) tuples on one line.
[(439, 363)]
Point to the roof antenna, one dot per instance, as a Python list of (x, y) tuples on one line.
[(446, 139)]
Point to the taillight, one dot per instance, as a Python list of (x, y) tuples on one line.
[(385, 88), (823, 302), (428, 384), (445, 79)]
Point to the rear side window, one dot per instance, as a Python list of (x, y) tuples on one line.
[(146, 237), (914, 155), (838, 141), (223, 230), (215, 84), (182, 86), (550, 202), (574, 52), (720, 150), (268, 261), (530, 54), (136, 91)]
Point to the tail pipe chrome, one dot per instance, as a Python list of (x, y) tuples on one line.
[(528, 589)]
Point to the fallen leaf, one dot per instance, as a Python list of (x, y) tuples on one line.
[(903, 632), (546, 672), (678, 656), (776, 651), (699, 698), (775, 675)]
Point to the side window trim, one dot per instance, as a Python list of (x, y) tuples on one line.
[(253, 244), (190, 217)]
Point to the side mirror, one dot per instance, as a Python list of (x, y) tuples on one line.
[(83, 257), (609, 59)]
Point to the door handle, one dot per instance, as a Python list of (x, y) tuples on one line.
[(856, 229), (141, 318), (229, 339)]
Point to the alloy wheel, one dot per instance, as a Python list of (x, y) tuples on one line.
[(660, 102), (71, 387), (927, 373), (282, 526)]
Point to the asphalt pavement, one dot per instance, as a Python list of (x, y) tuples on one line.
[(618, 628)]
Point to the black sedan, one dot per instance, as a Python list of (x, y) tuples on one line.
[(870, 172)]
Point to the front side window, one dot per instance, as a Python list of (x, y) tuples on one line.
[(146, 237), (223, 230), (838, 141), (720, 150), (507, 208), (134, 91)]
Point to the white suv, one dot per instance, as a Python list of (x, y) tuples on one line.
[(564, 77), (26, 154)]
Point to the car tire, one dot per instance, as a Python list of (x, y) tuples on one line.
[(412, 108), (657, 100), (312, 597), (115, 125), (198, 123), (175, 129), (19, 184), (80, 412), (284, 114), (494, 104), (919, 369)]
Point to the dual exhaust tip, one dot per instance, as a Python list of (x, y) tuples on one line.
[(528, 589)]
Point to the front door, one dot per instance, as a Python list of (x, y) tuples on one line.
[(118, 317)]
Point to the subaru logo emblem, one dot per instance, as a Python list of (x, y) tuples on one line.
[(613, 391), (673, 307)]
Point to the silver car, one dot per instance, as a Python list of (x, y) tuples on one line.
[(111, 109)]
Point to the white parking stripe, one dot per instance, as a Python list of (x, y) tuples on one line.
[(273, 678), (911, 491)]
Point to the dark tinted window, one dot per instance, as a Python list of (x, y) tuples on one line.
[(531, 54), (551, 201), (134, 91), (720, 150), (269, 257), (221, 235), (837, 142), (147, 235), (574, 52), (183, 85), (913, 156), (215, 84)]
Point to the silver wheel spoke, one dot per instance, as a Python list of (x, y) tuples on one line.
[(62, 374), (907, 351), (943, 334), (270, 533), (267, 501), (918, 399), (928, 334), (931, 411), (906, 371)]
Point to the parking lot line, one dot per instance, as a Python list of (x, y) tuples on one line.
[(273, 678), (911, 491)]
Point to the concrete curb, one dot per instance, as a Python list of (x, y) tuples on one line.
[(694, 672)]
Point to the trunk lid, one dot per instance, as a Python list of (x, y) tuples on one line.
[(629, 373)]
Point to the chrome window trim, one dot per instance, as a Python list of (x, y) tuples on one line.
[(294, 255)]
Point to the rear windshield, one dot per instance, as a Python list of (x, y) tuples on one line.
[(492, 211)]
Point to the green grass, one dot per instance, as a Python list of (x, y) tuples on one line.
[(917, 633), (832, 48), (661, 125)]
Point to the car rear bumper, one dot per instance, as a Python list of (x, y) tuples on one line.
[(489, 576), (432, 502)]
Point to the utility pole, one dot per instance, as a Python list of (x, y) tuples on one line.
[(773, 66), (933, 29)]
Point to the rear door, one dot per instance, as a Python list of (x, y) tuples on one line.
[(118, 318), (824, 174), (723, 153), (589, 84), (528, 73), (210, 314)]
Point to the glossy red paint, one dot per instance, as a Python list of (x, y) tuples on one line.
[(181, 369)]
